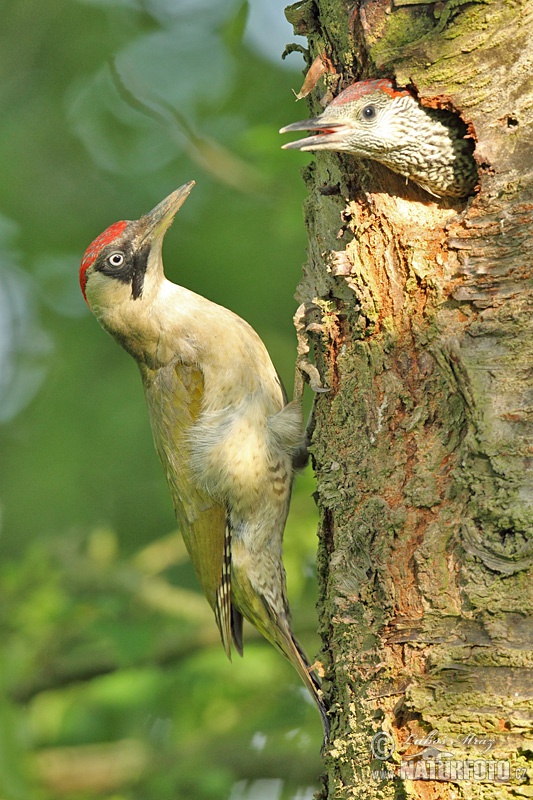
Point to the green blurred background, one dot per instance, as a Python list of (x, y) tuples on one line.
[(113, 683)]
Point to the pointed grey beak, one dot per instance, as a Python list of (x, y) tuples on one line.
[(159, 219), (332, 133)]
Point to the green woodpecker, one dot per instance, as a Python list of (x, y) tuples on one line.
[(222, 427), (374, 119)]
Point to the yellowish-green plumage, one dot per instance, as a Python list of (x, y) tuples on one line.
[(225, 435), (174, 397)]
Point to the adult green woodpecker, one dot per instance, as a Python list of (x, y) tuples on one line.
[(222, 427)]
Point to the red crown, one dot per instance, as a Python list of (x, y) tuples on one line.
[(92, 252), (363, 88)]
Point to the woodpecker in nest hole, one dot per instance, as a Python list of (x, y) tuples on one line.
[(375, 120)]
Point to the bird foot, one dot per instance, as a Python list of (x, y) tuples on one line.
[(317, 667)]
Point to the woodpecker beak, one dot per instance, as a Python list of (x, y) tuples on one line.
[(331, 134), (156, 223)]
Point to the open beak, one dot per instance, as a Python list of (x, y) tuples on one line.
[(156, 223), (330, 134)]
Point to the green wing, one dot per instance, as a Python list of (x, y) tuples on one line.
[(174, 397)]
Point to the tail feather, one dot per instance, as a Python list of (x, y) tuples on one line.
[(294, 653), (236, 629), (264, 604), (223, 608), (279, 633)]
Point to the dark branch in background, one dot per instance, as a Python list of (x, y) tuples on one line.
[(64, 672), (217, 160)]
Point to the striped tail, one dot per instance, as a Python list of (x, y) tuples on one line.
[(223, 611)]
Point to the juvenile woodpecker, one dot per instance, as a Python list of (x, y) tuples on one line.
[(373, 119), (222, 427)]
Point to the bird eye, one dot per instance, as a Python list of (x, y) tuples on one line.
[(369, 112), (116, 259)]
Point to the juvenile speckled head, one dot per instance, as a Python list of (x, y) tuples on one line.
[(373, 119)]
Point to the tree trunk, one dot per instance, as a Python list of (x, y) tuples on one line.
[(423, 446)]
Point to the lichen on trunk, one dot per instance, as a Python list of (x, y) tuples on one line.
[(423, 446)]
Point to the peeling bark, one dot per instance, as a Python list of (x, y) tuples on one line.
[(423, 448)]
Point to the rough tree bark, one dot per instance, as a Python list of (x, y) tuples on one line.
[(423, 448)]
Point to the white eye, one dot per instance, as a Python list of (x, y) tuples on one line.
[(115, 259), (369, 112)]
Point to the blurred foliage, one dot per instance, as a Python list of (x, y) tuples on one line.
[(113, 683)]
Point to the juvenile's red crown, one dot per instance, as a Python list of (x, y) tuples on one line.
[(359, 90)]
